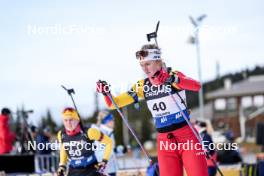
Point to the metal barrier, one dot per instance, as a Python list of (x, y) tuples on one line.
[(49, 163), (131, 163), (46, 163)]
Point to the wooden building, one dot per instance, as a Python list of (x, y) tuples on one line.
[(240, 106)]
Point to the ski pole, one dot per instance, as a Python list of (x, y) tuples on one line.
[(132, 131), (70, 92), (154, 34), (193, 130), (129, 127)]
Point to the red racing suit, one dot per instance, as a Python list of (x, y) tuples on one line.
[(170, 124)]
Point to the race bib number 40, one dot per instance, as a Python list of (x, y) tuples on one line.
[(165, 106)]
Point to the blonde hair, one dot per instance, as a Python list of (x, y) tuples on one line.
[(154, 46), (149, 46)]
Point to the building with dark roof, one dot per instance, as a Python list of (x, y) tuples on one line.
[(240, 106)]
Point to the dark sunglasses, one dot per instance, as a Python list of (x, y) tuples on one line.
[(142, 53)]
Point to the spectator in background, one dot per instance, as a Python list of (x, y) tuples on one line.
[(44, 138), (34, 131), (207, 140), (106, 123), (6, 136), (231, 156)]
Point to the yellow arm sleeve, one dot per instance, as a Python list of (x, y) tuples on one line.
[(63, 154), (95, 134), (126, 98)]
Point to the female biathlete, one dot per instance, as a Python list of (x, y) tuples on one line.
[(157, 90), (76, 147)]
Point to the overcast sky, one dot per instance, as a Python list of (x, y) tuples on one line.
[(44, 44)]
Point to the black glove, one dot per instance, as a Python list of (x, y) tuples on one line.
[(61, 171), (101, 166), (172, 79)]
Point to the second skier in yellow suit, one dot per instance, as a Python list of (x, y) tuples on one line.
[(76, 147)]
